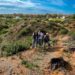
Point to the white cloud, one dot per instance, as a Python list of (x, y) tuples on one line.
[(18, 3), (31, 6), (10, 0)]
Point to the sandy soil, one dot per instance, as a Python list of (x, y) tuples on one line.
[(12, 65)]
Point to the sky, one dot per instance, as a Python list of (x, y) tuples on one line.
[(37, 6)]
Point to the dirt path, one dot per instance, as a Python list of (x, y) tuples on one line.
[(42, 59), (35, 56), (14, 66)]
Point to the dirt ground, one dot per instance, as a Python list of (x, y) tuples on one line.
[(12, 65)]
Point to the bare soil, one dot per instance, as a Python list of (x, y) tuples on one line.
[(12, 65)]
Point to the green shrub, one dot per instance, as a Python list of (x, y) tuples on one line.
[(29, 64), (3, 31), (3, 27), (57, 20), (15, 47), (24, 32), (63, 31), (28, 40), (53, 42), (72, 34)]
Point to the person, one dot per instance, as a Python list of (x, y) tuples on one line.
[(46, 40), (40, 38), (35, 39)]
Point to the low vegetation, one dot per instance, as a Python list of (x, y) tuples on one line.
[(63, 31), (15, 47), (29, 65), (24, 32), (16, 30)]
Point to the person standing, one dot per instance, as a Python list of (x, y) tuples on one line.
[(46, 40), (35, 39), (40, 38)]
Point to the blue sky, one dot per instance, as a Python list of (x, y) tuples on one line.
[(37, 6)]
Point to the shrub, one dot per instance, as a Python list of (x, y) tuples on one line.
[(57, 20), (3, 31), (29, 64), (53, 42), (15, 47), (24, 32), (3, 27), (28, 40), (63, 31), (72, 34)]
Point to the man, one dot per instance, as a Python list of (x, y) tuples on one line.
[(40, 38), (35, 39), (46, 40)]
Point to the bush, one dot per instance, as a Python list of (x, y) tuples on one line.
[(57, 20), (72, 34), (24, 32), (15, 47), (28, 40), (53, 42), (29, 64), (63, 31), (3, 27), (3, 31)]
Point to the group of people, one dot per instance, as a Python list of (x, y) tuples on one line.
[(40, 39)]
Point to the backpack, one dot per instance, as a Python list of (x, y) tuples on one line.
[(46, 38)]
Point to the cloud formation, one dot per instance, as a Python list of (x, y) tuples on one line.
[(37, 6), (17, 3)]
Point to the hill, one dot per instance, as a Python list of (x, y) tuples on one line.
[(16, 39)]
